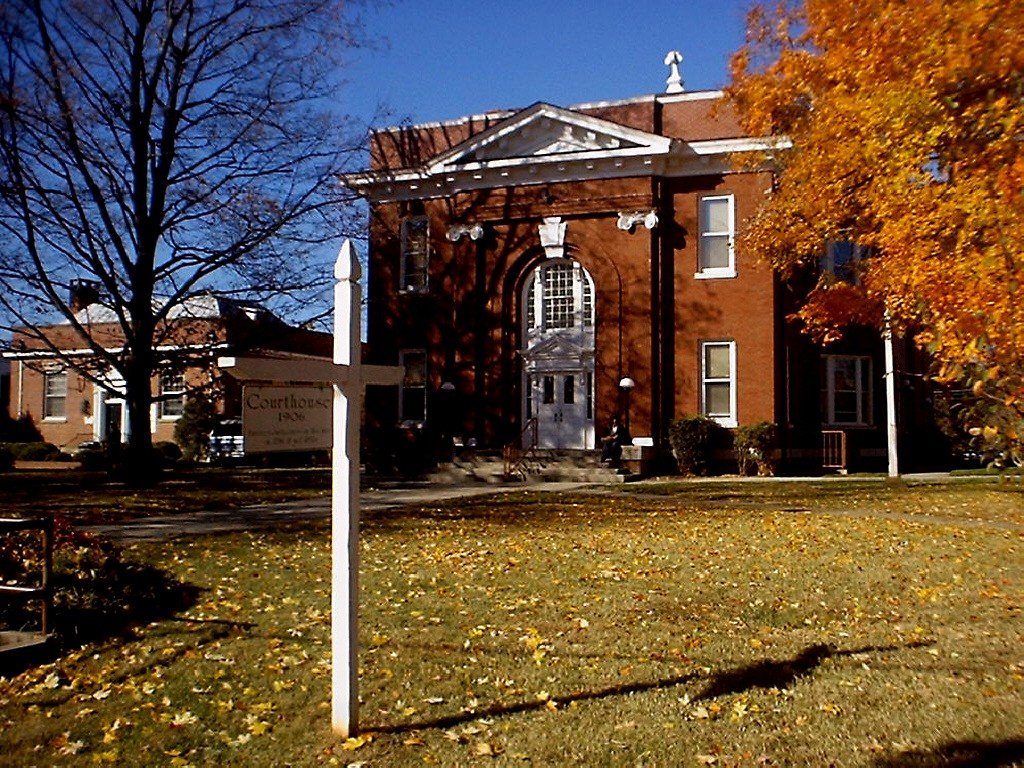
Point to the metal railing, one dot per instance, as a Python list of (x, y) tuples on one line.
[(517, 455), (833, 449), (43, 592)]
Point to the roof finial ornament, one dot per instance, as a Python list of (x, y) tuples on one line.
[(674, 82)]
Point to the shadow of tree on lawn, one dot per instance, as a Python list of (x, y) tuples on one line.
[(782, 674), (762, 674), (960, 754), (496, 710), (99, 593)]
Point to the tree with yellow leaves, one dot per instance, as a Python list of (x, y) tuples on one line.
[(906, 124)]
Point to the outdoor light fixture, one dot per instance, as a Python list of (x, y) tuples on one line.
[(629, 219), (457, 231), (626, 384)]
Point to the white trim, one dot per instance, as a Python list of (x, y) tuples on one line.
[(670, 98), (44, 354), (728, 420), (647, 143)]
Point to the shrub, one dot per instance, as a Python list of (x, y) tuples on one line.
[(6, 459), (755, 445), (19, 430), (192, 432), (35, 451), (168, 452), (691, 439), (92, 458)]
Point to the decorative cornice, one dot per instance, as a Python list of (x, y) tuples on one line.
[(457, 231), (627, 221)]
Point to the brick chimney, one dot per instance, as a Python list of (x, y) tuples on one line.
[(83, 293)]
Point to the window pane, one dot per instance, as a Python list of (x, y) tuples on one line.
[(716, 215), (845, 374), (569, 390), (549, 390), (846, 407), (55, 387), (559, 302), (415, 250), (716, 361), (413, 404), (415, 364), (714, 252), (716, 399)]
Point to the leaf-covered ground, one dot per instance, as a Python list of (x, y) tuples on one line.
[(876, 626)]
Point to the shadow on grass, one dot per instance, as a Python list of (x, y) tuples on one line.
[(763, 674), (98, 594), (960, 754), (782, 674), (497, 710)]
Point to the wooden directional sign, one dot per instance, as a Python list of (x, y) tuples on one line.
[(348, 376)]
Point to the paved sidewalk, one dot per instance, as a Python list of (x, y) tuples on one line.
[(262, 516)]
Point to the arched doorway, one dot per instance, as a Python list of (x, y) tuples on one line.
[(558, 354)]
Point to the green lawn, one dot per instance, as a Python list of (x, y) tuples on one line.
[(836, 623)]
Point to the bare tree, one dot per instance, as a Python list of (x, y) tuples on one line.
[(160, 148)]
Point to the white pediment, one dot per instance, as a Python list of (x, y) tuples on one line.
[(547, 133), (560, 346)]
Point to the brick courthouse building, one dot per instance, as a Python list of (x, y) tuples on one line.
[(523, 263)]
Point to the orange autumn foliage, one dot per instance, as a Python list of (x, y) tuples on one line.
[(907, 127)]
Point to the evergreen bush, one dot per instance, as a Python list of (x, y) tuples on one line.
[(192, 432), (34, 451), (691, 439)]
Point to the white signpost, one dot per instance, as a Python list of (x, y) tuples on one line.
[(348, 377)]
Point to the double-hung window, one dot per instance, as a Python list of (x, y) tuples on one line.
[(716, 253), (172, 395), (718, 381), (412, 403), (55, 395), (842, 260), (846, 390), (415, 255)]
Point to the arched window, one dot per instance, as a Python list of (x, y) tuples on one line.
[(559, 295)]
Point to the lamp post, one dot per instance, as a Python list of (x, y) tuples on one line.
[(626, 385)]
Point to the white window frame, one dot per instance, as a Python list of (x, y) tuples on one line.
[(177, 395), (709, 273), (403, 417), (404, 273), (864, 392), (48, 396), (724, 419)]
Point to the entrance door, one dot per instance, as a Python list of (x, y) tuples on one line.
[(113, 422), (563, 401), (558, 355)]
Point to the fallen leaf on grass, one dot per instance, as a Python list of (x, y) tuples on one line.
[(486, 749), (356, 742)]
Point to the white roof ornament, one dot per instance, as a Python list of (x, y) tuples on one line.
[(674, 84)]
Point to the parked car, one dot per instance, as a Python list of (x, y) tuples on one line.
[(227, 441)]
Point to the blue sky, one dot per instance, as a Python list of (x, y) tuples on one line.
[(441, 59)]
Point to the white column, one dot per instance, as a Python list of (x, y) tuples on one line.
[(345, 497), (890, 402)]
